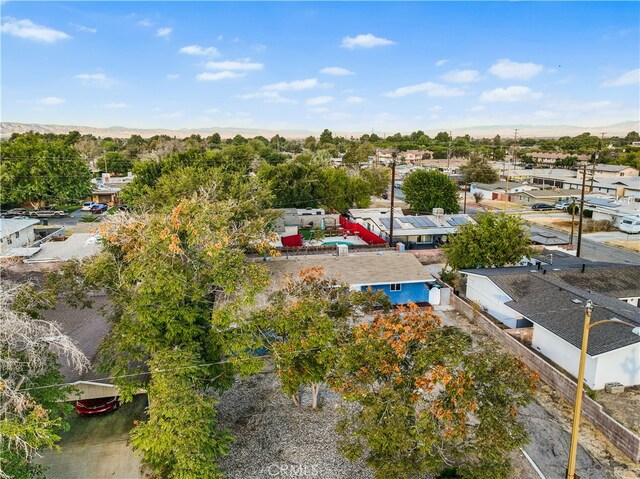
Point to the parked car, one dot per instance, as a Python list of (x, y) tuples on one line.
[(89, 407), (86, 206), (563, 205), (47, 213), (12, 213), (124, 208), (98, 208), (542, 206)]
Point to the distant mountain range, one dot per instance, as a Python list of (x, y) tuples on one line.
[(488, 131)]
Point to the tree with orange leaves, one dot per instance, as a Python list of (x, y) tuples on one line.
[(429, 399), (310, 314)]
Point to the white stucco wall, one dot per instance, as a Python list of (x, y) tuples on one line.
[(621, 365), (484, 292), (26, 236)]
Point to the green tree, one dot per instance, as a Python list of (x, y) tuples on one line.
[(426, 190), (494, 240), (631, 137), (115, 162), (378, 177), (190, 442), (309, 315), (428, 399), (37, 170), (326, 137), (478, 170), (32, 406)]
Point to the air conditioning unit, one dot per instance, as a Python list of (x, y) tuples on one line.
[(438, 211), (343, 250)]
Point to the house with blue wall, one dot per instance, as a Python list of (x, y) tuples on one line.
[(399, 274)]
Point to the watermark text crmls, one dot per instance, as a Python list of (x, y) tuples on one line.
[(293, 470)]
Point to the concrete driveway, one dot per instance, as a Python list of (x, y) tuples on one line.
[(97, 447)]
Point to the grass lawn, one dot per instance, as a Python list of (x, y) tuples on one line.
[(112, 210)]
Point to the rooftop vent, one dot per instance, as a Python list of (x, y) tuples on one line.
[(576, 301)]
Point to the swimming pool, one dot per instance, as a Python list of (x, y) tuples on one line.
[(348, 243)]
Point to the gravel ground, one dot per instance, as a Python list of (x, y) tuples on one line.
[(274, 438)]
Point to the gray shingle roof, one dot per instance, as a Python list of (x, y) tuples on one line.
[(549, 301)]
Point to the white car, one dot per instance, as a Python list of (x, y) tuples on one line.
[(86, 206)]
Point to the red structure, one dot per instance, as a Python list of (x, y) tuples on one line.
[(291, 241), (359, 230)]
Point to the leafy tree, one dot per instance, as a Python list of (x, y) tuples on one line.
[(36, 170), (326, 137), (426, 190), (494, 240), (428, 399), (631, 137), (357, 154), (190, 443), (309, 315), (478, 170), (179, 283), (30, 419), (378, 177), (297, 183), (115, 162)]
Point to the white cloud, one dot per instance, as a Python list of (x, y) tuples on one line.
[(439, 63), (175, 114), (145, 22), (365, 41), (434, 108), (198, 50), (115, 106), (32, 31), (164, 31), (461, 76), (244, 65), (96, 79), (267, 96), (320, 109), (212, 110), (510, 94), (629, 78), (296, 85), (173, 76), (508, 70), (319, 100), (82, 28), (477, 108), (355, 100), (337, 71), (259, 47), (226, 75), (430, 88), (51, 101)]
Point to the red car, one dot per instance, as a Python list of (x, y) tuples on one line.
[(88, 407)]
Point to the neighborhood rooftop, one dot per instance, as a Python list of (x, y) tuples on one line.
[(357, 269)]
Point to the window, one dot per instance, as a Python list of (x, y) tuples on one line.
[(17, 234), (396, 287)]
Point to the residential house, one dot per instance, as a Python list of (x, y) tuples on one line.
[(552, 158), (552, 300), (416, 157), (610, 171), (420, 231), (610, 210), (399, 275), (500, 189), (544, 196), (16, 233)]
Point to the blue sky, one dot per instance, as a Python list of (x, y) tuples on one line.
[(346, 66)]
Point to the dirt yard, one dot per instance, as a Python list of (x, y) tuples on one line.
[(549, 431), (274, 437), (562, 224), (632, 245)]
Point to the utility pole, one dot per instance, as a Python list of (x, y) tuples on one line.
[(449, 153), (573, 215), (581, 211), (595, 160), (464, 210), (393, 196)]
